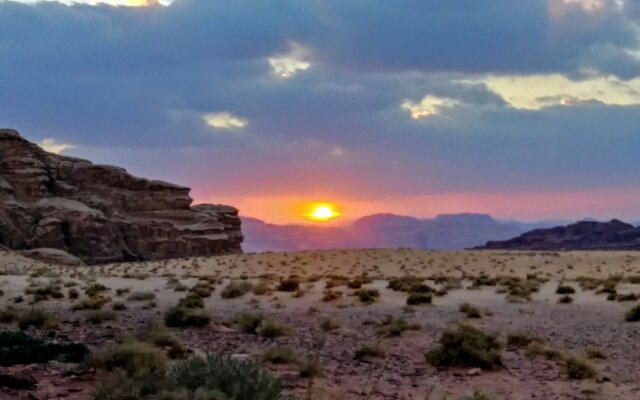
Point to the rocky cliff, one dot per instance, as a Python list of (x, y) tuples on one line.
[(101, 213), (583, 235)]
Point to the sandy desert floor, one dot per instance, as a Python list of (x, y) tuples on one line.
[(348, 291)]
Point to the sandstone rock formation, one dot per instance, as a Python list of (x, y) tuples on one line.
[(101, 213), (583, 235)]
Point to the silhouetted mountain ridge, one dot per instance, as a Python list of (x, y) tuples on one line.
[(583, 235), (444, 232)]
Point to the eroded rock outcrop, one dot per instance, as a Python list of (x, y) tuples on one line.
[(101, 213)]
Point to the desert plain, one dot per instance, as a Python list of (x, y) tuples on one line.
[(348, 324)]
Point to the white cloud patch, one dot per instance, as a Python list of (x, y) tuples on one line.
[(225, 120), (337, 152), (534, 92), (52, 146), (286, 66), (429, 106)]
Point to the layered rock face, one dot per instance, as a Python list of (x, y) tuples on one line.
[(583, 235), (101, 213)]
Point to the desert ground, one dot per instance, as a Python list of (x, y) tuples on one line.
[(353, 324)]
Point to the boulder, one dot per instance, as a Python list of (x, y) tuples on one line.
[(101, 213)]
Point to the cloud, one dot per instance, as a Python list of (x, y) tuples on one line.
[(286, 66), (534, 92), (429, 106), (52, 146), (224, 120), (533, 99)]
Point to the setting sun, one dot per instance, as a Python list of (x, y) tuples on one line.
[(323, 212)]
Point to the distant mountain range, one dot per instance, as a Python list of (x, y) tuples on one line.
[(444, 232), (582, 235)]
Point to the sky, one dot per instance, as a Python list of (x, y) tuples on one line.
[(523, 109)]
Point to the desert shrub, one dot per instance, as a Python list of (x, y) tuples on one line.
[(249, 322), (272, 329), (633, 315), (395, 327), (579, 368), (478, 396), (131, 356), (161, 337), (141, 296), (466, 346), (367, 296), (118, 306), (236, 289), (73, 293), (262, 288), (369, 349), (329, 324), (470, 311), (566, 299), (8, 315), (95, 289), (595, 353), (330, 295), (290, 284), (37, 318), (182, 317), (279, 355), (627, 297), (522, 339), (416, 298), (565, 289), (100, 316), (94, 303), (145, 385), (310, 367), (538, 349), (408, 284), (202, 289), (191, 300), (237, 380)]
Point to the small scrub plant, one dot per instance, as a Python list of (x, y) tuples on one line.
[(37, 318), (579, 368), (328, 325), (237, 288), (290, 284), (141, 296), (468, 347), (633, 315), (131, 356), (249, 322), (310, 367), (367, 296), (272, 329), (191, 300), (279, 355), (595, 353), (8, 315), (418, 298), (566, 299), (185, 317), (395, 327), (470, 311), (237, 380), (99, 316), (369, 350), (565, 289), (521, 339)]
